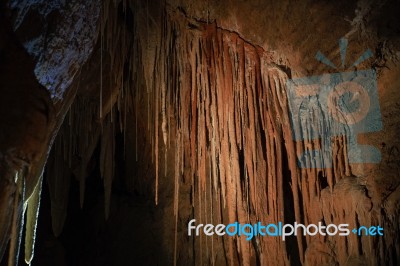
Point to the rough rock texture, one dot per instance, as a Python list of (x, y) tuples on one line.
[(183, 104), (61, 38), (30, 116), (27, 118)]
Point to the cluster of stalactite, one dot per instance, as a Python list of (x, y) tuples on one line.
[(20, 209), (90, 123), (233, 140), (233, 130), (220, 104)]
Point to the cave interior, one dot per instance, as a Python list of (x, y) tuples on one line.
[(123, 120)]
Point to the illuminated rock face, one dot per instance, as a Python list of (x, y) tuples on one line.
[(187, 105), (61, 37)]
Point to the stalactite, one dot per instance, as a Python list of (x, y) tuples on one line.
[(18, 216), (107, 162), (176, 194), (101, 67), (136, 131), (32, 214), (71, 153), (156, 146), (58, 182)]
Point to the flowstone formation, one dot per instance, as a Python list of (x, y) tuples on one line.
[(186, 105)]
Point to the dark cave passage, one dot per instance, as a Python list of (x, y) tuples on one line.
[(131, 235)]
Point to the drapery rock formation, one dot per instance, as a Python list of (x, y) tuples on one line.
[(185, 103)]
